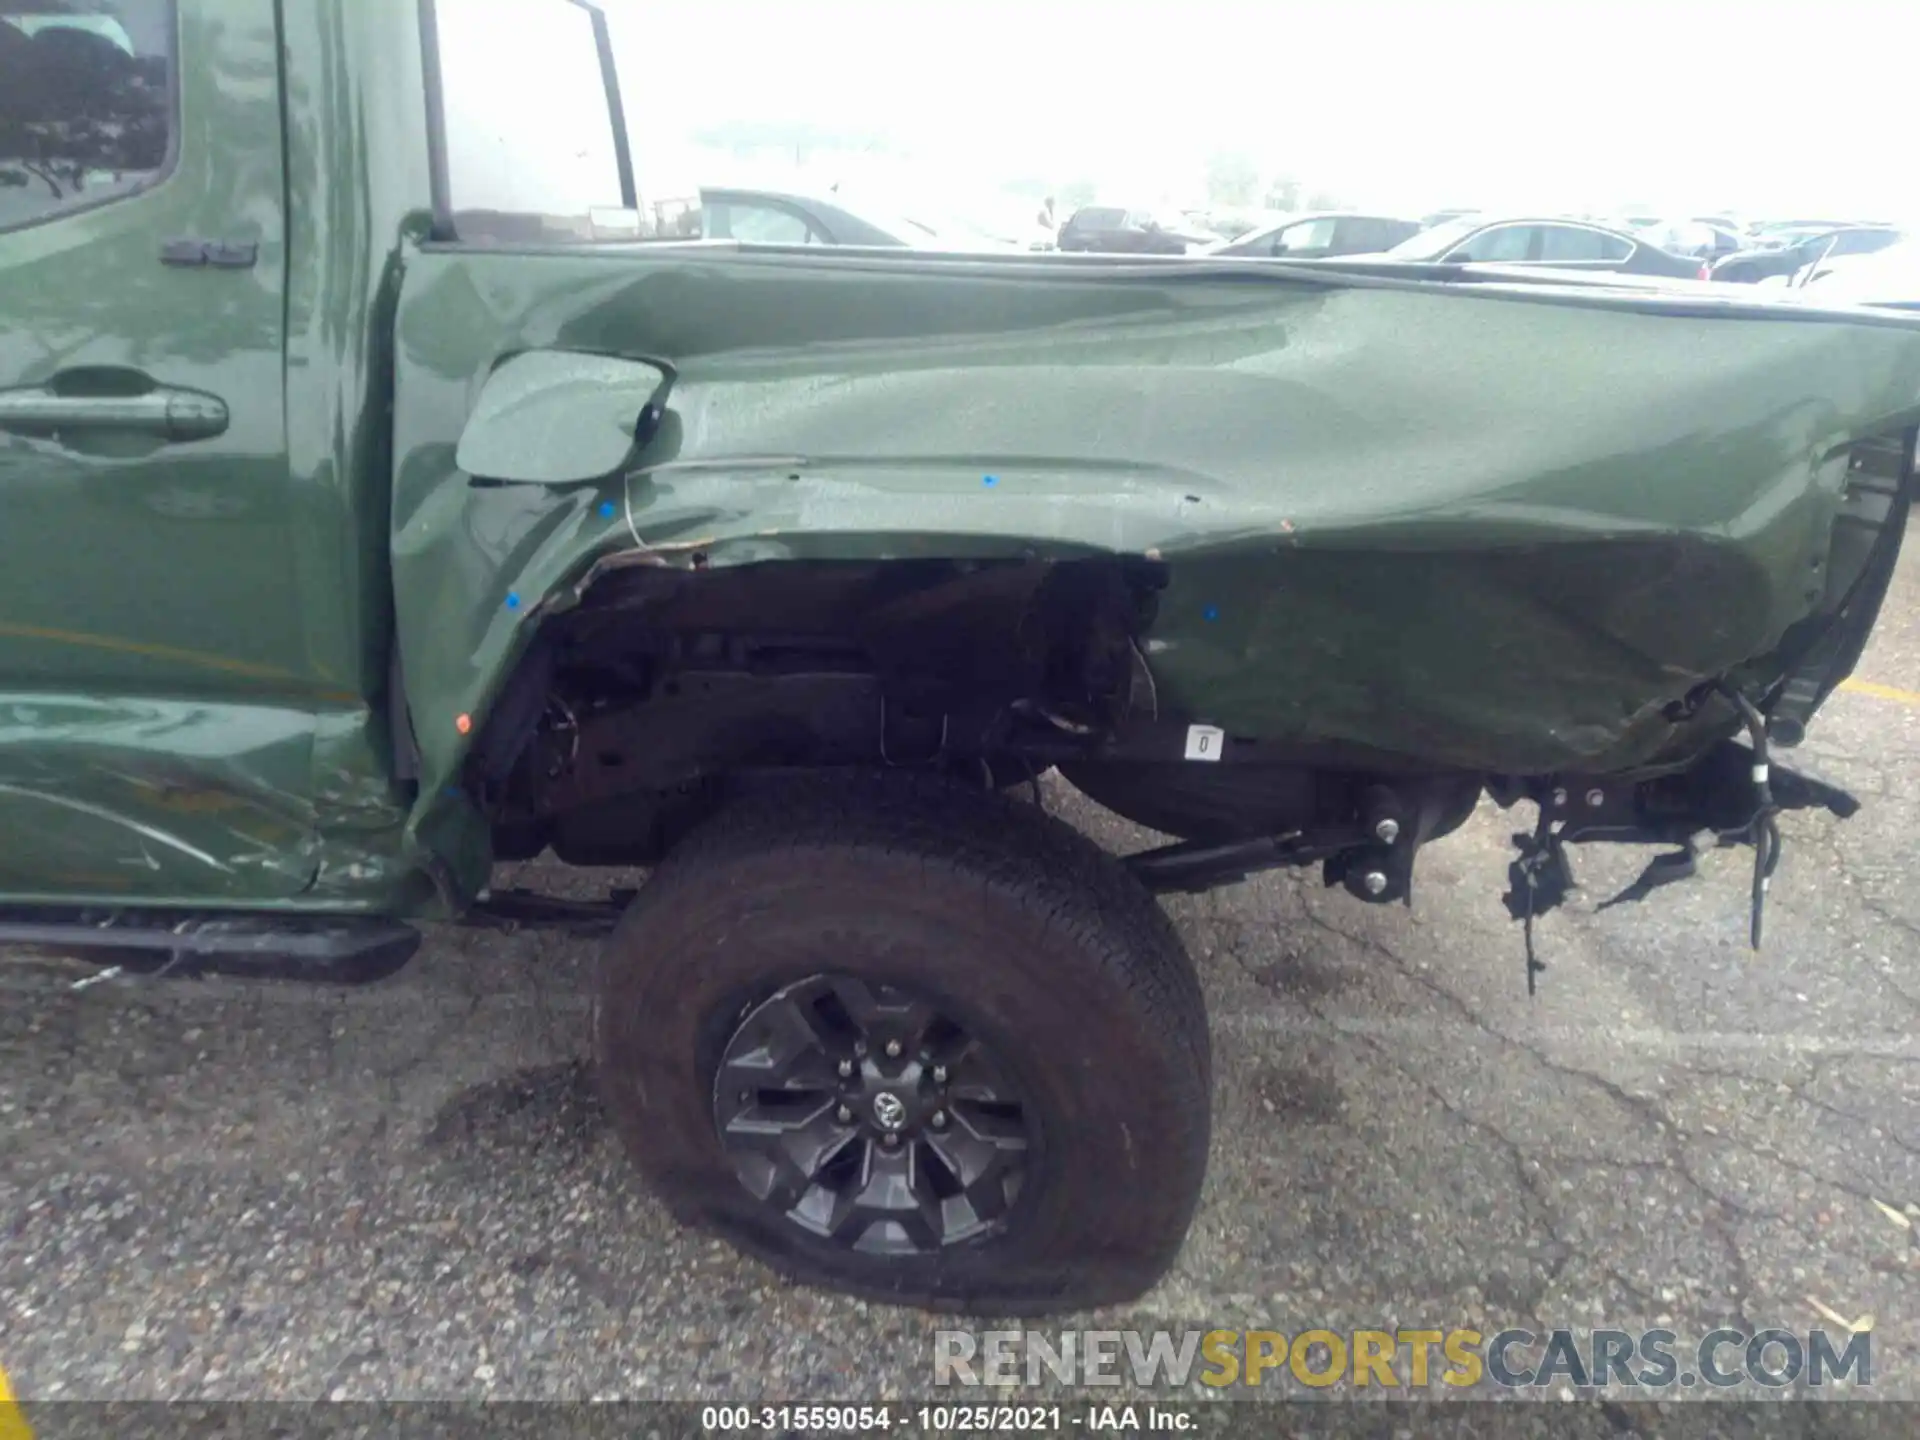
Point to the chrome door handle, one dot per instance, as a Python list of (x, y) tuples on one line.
[(162, 413)]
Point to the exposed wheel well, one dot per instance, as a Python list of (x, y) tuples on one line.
[(641, 709), (631, 711)]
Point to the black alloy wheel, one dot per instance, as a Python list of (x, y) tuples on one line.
[(904, 1037), (870, 1118)]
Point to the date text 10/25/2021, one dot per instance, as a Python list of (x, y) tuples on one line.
[(939, 1419)]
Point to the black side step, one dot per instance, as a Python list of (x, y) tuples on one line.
[(333, 950), (514, 908)]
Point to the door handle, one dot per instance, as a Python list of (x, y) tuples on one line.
[(164, 413)]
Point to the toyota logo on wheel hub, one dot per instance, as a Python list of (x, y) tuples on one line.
[(889, 1111)]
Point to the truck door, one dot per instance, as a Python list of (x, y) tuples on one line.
[(156, 707)]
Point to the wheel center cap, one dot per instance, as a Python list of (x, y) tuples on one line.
[(889, 1110)]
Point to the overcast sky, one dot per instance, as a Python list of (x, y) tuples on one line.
[(1690, 104)]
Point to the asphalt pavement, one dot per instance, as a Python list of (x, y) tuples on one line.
[(222, 1189)]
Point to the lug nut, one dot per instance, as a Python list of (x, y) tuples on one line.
[(843, 1115), (1375, 882), (1387, 831), (1596, 798), (845, 1068), (890, 1140), (938, 1120), (939, 1074), (1559, 799), (893, 1049)]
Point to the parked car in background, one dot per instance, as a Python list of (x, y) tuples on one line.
[(785, 217), (1116, 230), (936, 228), (1204, 222), (1889, 277), (1700, 239), (1308, 237), (1776, 234), (1565, 244), (1802, 249), (1238, 224)]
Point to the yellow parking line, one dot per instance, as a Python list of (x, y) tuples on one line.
[(1882, 692), (13, 1425)]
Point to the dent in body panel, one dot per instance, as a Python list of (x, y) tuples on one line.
[(212, 621), (150, 799), (1477, 530), (155, 694), (199, 803), (356, 162)]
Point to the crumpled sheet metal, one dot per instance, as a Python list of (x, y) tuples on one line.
[(1493, 530), (164, 801)]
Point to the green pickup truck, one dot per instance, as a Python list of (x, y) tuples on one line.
[(379, 501)]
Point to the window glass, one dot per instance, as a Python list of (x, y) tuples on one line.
[(1099, 217), (1502, 242), (1358, 235), (530, 142), (761, 224), (1309, 237), (1435, 243), (1576, 242), (1862, 242), (85, 104), (1388, 233)]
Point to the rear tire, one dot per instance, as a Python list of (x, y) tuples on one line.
[(1025, 939)]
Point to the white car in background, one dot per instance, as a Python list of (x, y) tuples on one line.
[(1702, 239), (1889, 277)]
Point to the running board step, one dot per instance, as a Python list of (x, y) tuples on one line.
[(512, 909), (333, 950)]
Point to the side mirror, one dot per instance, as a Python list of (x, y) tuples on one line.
[(560, 417)]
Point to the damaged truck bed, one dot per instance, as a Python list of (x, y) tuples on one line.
[(368, 522), (1247, 554)]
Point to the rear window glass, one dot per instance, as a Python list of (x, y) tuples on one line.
[(1570, 242), (1308, 235), (530, 139), (758, 224), (86, 107), (1097, 217)]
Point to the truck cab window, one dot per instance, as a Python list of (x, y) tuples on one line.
[(85, 104), (531, 156)]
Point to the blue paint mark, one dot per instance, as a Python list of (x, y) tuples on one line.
[(453, 792), (989, 480), (513, 599), (606, 509), (1212, 612)]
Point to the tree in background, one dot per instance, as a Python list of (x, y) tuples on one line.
[(74, 105), (1283, 193), (1232, 179)]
